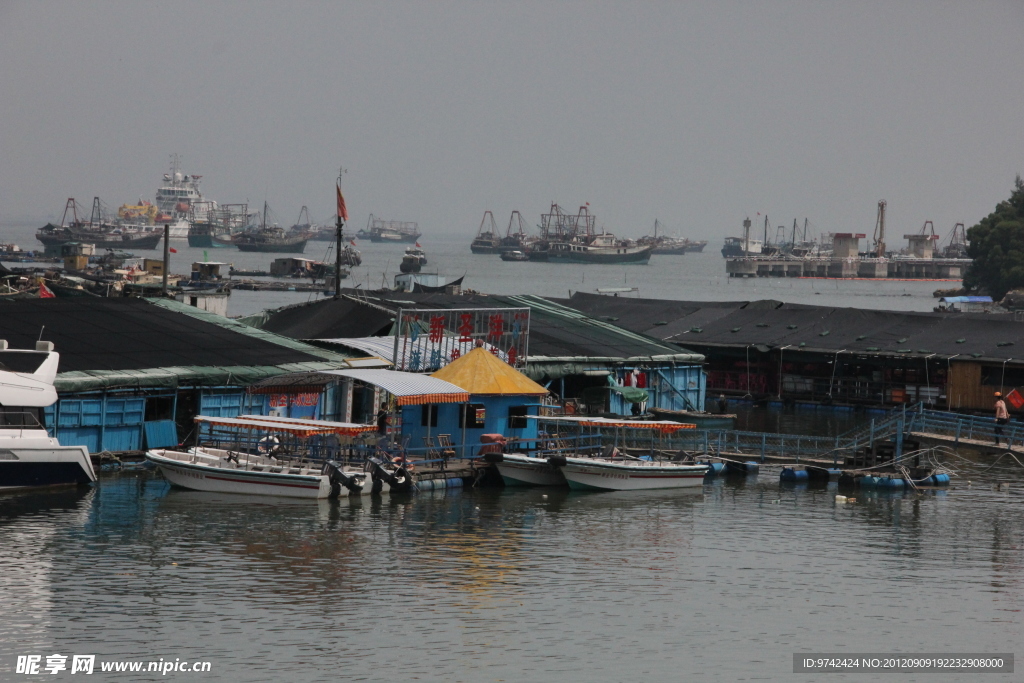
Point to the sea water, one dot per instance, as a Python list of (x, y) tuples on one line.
[(691, 277), (721, 583)]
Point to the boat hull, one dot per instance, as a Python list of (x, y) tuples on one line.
[(638, 256), (23, 468), (585, 474), (520, 470), (265, 248), (101, 240)]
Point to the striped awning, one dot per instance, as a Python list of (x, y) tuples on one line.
[(408, 388), (300, 428), (665, 426), (342, 428)]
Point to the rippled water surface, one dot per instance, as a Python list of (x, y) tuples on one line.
[(721, 583)]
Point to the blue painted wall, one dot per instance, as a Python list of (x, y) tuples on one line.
[(496, 422), (672, 387)]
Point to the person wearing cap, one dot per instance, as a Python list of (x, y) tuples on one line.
[(1002, 417)]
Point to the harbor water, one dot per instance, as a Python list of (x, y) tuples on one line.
[(691, 277), (721, 583)]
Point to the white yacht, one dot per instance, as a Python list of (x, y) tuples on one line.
[(29, 457)]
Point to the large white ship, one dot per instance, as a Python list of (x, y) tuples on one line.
[(175, 199)]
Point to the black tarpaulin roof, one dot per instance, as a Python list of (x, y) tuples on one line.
[(556, 331), (326, 319), (995, 337), (133, 334)]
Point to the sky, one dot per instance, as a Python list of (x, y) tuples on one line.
[(699, 114)]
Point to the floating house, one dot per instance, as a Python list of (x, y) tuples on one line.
[(133, 372), (824, 354), (581, 359)]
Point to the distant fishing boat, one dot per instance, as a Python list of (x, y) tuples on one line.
[(379, 230), (487, 240), (271, 239), (413, 260), (103, 234), (573, 239), (514, 255)]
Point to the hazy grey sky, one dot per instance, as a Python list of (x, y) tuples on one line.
[(698, 113)]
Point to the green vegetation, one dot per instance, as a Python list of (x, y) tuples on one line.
[(997, 247)]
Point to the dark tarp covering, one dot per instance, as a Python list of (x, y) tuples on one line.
[(325, 319), (850, 330), (555, 330), (133, 334)]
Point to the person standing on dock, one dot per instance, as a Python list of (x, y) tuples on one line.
[(1002, 417)]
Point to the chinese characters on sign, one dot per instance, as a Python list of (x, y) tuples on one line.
[(429, 339)]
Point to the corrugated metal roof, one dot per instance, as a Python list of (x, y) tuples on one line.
[(407, 387)]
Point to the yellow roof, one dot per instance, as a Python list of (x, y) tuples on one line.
[(482, 373)]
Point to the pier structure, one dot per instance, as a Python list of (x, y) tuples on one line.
[(846, 261)]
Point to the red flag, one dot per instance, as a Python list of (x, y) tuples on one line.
[(45, 292), (342, 209), (172, 250), (352, 242), (418, 245)]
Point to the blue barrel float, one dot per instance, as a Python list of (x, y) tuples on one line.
[(715, 469), (793, 474)]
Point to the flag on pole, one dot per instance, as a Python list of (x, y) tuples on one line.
[(352, 242), (45, 292), (342, 209), (172, 250), (418, 245)]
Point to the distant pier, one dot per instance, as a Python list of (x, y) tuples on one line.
[(895, 268)]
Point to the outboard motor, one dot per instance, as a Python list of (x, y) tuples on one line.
[(338, 478), (399, 480), (557, 460)]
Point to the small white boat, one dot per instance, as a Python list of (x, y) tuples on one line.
[(607, 474), (273, 456), (29, 456), (517, 469)]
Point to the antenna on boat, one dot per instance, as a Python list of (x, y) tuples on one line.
[(41, 333)]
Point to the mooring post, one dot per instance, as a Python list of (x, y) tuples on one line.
[(764, 438), (959, 424)]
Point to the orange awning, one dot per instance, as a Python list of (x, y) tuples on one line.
[(664, 426)]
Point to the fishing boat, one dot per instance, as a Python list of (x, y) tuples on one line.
[(487, 240), (98, 231), (29, 456), (271, 239), (379, 230), (573, 239), (627, 474), (413, 260), (277, 456), (601, 248), (663, 244), (212, 226), (514, 255), (615, 469), (518, 469)]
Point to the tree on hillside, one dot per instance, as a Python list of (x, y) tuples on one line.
[(997, 247)]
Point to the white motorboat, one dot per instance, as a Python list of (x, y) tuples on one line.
[(29, 456), (609, 474), (518, 469), (275, 456)]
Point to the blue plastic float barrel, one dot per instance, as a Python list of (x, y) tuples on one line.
[(790, 474), (715, 469), (940, 479)]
